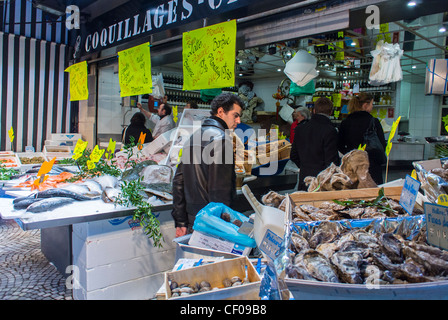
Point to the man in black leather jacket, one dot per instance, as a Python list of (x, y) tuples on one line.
[(206, 172)]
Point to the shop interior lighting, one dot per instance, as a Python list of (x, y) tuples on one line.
[(279, 70), (414, 67), (412, 4), (442, 29), (353, 44)]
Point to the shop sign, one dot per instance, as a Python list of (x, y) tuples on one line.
[(437, 225), (165, 15)]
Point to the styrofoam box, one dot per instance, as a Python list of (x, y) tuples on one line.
[(159, 143), (25, 167), (116, 260), (57, 151), (66, 136), (202, 240), (186, 251)]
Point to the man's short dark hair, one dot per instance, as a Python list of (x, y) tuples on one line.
[(226, 101), (323, 105), (167, 109)]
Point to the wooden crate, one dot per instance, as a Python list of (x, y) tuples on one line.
[(316, 198), (215, 273)]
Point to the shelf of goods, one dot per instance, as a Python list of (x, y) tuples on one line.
[(178, 97)]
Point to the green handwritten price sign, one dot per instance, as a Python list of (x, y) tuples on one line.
[(78, 81), (209, 57), (134, 71)]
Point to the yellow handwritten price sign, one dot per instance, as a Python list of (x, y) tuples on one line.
[(79, 149), (175, 114), (110, 149), (393, 130), (78, 81), (11, 134), (134, 71), (96, 154), (443, 200), (363, 148), (209, 57)]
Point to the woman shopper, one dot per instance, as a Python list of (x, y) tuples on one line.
[(353, 128)]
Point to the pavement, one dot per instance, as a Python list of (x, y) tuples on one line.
[(25, 273)]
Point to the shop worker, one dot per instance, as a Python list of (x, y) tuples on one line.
[(315, 144), (135, 129), (163, 120), (206, 172)]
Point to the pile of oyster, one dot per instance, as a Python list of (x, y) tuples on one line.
[(335, 253), (186, 289), (380, 207)]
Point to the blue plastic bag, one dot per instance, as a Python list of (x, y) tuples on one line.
[(208, 220)]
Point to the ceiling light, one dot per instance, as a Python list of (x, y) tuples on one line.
[(412, 4), (442, 30), (279, 69), (240, 61), (414, 67), (353, 44)]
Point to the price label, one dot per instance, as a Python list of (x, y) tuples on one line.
[(90, 165), (79, 149), (11, 134), (270, 244), (96, 154), (110, 149), (141, 140), (437, 225), (46, 167), (409, 194)]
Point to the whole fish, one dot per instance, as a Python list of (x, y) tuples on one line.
[(48, 204), (82, 190), (107, 181), (93, 186), (58, 192), (24, 202)]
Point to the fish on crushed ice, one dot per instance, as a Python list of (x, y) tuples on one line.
[(24, 202), (107, 181), (110, 194), (48, 204), (59, 192), (93, 186)]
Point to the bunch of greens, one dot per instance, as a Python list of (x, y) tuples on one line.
[(380, 202), (131, 196), (7, 173)]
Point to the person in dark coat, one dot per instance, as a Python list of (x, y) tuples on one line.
[(352, 129), (136, 127), (315, 144), (206, 172)]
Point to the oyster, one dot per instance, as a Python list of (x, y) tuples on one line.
[(299, 242), (391, 246), (348, 266), (317, 265), (326, 232)]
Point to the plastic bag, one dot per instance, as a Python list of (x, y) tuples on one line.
[(301, 69), (158, 90), (307, 89), (209, 220)]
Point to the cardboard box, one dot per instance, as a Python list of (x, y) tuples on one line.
[(215, 273), (185, 250), (202, 240)]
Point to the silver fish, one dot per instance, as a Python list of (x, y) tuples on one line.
[(24, 202), (110, 194), (48, 204), (93, 186), (58, 192), (107, 181)]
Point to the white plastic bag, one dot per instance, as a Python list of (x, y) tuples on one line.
[(158, 90), (386, 66), (301, 69)]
